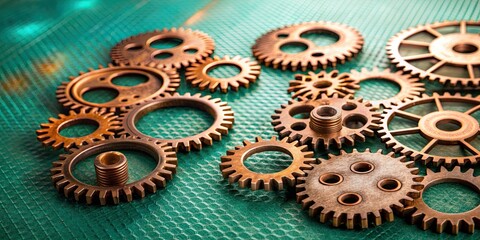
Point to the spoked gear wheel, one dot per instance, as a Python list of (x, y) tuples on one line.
[(198, 76), (359, 188), (428, 126), (66, 183), (267, 48), (313, 86), (450, 57), (193, 47), (409, 87), (332, 120), (233, 167)]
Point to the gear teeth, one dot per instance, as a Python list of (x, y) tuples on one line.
[(306, 86)]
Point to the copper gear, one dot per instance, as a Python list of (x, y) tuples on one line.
[(455, 50), (353, 119), (358, 188), (409, 87), (232, 166), (427, 126), (420, 213), (267, 47), (67, 184), (220, 111), (313, 86), (70, 94), (197, 74), (49, 133), (134, 50)]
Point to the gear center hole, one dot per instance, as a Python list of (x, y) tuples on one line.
[(322, 84), (129, 80), (268, 162), (448, 125), (350, 199), (465, 48), (293, 47), (78, 128), (224, 71), (362, 167), (166, 43), (451, 197), (110, 158)]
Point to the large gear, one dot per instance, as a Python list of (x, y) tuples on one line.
[(233, 167), (429, 127), (450, 57), (194, 46), (409, 87), (425, 217), (70, 94), (66, 183), (313, 86), (358, 188), (197, 74), (49, 134), (220, 111), (267, 48), (332, 120)]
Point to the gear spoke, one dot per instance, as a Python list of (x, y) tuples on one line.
[(433, 31), (470, 147), (438, 103), (430, 145), (463, 27), (472, 110), (416, 43), (471, 73), (436, 66), (418, 57), (407, 115), (405, 131)]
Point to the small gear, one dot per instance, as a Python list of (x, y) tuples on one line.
[(429, 126), (197, 74), (424, 216), (49, 134), (193, 47), (326, 121), (220, 111), (232, 166), (409, 87), (313, 86), (267, 48), (450, 57), (70, 94), (67, 184), (358, 188)]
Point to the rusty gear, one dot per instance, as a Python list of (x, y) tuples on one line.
[(49, 134), (332, 120), (66, 183), (267, 48), (194, 46), (220, 111), (232, 166), (358, 188), (409, 87), (313, 86), (427, 127), (197, 74), (446, 54), (70, 94)]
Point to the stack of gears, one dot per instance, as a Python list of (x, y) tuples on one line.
[(353, 190)]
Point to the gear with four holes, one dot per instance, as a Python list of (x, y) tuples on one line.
[(313, 86), (234, 169), (197, 74), (193, 46), (358, 189)]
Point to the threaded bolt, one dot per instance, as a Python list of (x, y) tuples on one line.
[(111, 169), (326, 119)]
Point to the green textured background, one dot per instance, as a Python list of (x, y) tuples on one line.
[(44, 42)]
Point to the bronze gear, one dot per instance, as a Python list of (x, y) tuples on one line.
[(358, 188), (220, 111), (66, 183), (267, 48), (194, 46), (446, 52), (70, 94), (232, 166), (197, 74), (313, 86), (427, 127)]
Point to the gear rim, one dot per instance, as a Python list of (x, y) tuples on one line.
[(313, 86)]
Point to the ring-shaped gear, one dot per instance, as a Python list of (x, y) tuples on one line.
[(313, 86), (197, 74), (49, 134), (66, 183), (70, 94), (426, 217), (409, 87), (358, 189), (233, 167), (220, 111), (195, 46), (427, 127), (446, 53), (267, 48)]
